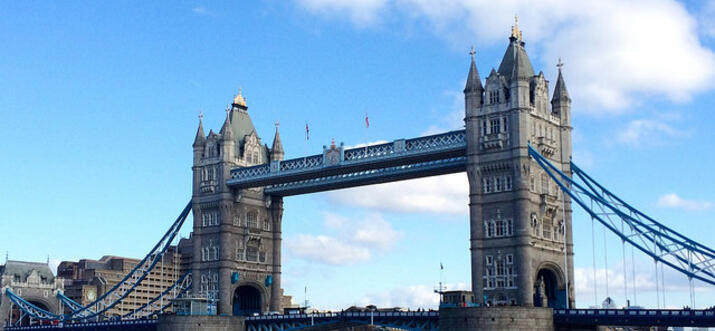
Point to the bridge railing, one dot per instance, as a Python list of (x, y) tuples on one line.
[(357, 156)]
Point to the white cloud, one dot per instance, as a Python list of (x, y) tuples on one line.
[(648, 131), (706, 18), (360, 12), (413, 297), (672, 200), (617, 52), (202, 11), (353, 242), (325, 249), (448, 194)]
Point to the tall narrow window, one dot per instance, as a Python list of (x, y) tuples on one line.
[(509, 227), (505, 124), (495, 126), (507, 183), (484, 128), (497, 184), (252, 218), (252, 253), (500, 228)]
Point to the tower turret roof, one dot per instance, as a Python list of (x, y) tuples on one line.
[(277, 144), (515, 62), (200, 136), (226, 130), (560, 91), (474, 82)]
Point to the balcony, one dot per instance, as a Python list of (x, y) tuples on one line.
[(546, 146), (494, 141), (208, 186)]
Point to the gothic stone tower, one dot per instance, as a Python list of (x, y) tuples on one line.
[(518, 215), (236, 234)]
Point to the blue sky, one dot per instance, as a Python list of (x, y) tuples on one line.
[(99, 106)]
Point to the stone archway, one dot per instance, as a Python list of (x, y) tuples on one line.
[(549, 289), (16, 314), (247, 300)]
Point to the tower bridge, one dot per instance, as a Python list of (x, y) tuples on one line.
[(516, 151)]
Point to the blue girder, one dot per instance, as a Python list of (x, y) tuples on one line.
[(413, 321), (355, 161), (661, 243)]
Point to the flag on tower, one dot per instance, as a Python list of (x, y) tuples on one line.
[(307, 131), (441, 267), (367, 121)]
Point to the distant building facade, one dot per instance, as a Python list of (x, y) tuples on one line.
[(87, 280), (34, 282), (521, 243)]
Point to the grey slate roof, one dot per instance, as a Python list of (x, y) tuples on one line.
[(515, 59), (560, 91), (23, 269), (242, 126), (277, 144), (200, 136), (474, 82)]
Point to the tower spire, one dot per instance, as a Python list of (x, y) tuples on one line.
[(515, 32), (239, 100), (474, 82), (560, 91), (226, 131), (200, 136), (277, 152)]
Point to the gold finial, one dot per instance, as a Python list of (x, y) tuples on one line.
[(560, 64), (238, 99), (515, 32)]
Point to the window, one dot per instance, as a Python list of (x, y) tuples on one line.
[(490, 229), (533, 184), (509, 259), (546, 229), (215, 255), (252, 253), (500, 228), (507, 183), (497, 184), (500, 268), (544, 185), (493, 97), (490, 259), (252, 217), (510, 283), (266, 225), (487, 185), (494, 126), (255, 157), (509, 227), (262, 256), (504, 123), (484, 128)]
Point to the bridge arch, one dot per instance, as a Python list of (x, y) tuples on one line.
[(549, 286), (249, 297)]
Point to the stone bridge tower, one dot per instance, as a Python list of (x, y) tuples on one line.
[(521, 243), (236, 234)]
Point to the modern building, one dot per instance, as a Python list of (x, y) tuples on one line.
[(34, 282), (521, 243), (87, 280)]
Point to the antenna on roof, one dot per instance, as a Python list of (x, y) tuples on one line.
[(7, 256)]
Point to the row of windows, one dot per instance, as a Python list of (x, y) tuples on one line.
[(209, 253), (547, 186), (496, 184), (251, 220), (495, 125), (251, 254), (493, 97), (209, 173), (498, 228), (210, 218), (499, 273), (547, 230)]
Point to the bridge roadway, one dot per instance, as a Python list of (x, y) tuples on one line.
[(428, 320)]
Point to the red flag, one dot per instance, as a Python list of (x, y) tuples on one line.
[(367, 121), (307, 132)]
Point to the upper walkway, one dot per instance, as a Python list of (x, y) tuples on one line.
[(338, 167)]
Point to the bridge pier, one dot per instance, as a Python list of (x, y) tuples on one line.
[(201, 323), (496, 318)]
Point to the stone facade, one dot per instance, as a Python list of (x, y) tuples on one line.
[(496, 319), (520, 220), (236, 234), (34, 282)]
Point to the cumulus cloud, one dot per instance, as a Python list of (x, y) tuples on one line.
[(649, 131), (672, 200), (413, 296), (353, 241), (361, 12), (617, 52), (447, 194)]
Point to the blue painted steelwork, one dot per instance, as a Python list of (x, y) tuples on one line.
[(414, 321), (634, 317), (357, 160), (661, 243), (136, 325), (116, 293)]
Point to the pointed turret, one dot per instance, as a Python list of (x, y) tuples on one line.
[(200, 139), (277, 148), (560, 91), (474, 82), (239, 102), (515, 62), (226, 131)]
